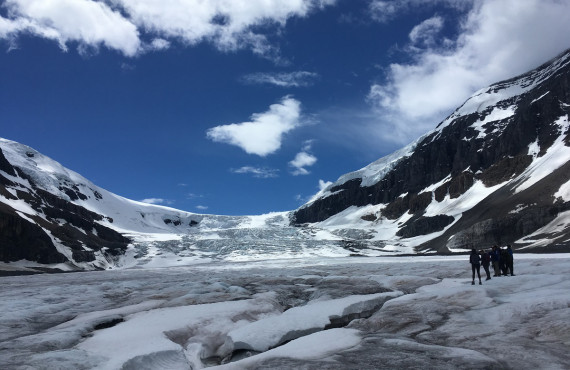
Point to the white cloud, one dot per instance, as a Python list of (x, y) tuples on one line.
[(124, 25), (89, 23), (262, 173), (202, 208), (385, 11), (291, 79), (303, 159), (263, 134), (425, 32), (497, 40), (156, 201), (158, 44), (324, 184)]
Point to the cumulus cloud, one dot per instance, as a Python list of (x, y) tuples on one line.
[(303, 159), (290, 79), (497, 40), (136, 26), (202, 208), (262, 173), (90, 23), (156, 201), (263, 134)]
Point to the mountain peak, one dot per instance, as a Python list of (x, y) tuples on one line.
[(422, 193)]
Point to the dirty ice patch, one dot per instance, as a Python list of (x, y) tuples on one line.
[(298, 321), (442, 351), (316, 346)]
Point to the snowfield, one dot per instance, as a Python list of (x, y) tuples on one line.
[(309, 313)]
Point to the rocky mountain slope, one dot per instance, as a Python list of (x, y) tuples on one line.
[(57, 218), (496, 171)]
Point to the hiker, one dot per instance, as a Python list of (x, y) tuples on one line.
[(496, 259), (510, 259), (485, 261), (503, 260), (475, 262)]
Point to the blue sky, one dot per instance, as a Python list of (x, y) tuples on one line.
[(246, 107)]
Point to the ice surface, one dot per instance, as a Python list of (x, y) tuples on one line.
[(272, 331), (184, 317), (313, 347)]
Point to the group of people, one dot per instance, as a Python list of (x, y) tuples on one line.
[(501, 258)]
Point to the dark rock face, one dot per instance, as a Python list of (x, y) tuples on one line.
[(5, 165), (455, 187), (504, 217), (168, 221), (459, 152), (21, 239), (424, 225), (73, 226)]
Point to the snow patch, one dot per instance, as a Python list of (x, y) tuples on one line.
[(563, 192), (534, 149), (540, 97), (556, 226), (497, 114), (556, 156)]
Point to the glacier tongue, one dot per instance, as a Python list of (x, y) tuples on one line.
[(183, 317)]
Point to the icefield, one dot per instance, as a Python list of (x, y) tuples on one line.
[(416, 312)]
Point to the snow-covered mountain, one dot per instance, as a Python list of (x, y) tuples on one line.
[(496, 171), (59, 219)]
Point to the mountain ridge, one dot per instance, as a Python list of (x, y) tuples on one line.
[(495, 171), (511, 122)]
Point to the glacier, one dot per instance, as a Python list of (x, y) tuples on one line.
[(309, 313)]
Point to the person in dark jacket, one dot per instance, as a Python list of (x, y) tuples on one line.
[(504, 256), (496, 260), (475, 262), (486, 261), (509, 256)]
